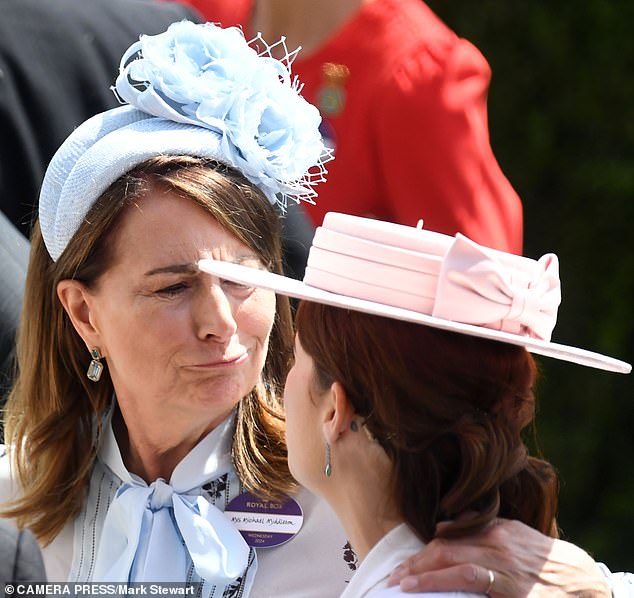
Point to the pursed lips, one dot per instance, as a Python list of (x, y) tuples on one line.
[(221, 363)]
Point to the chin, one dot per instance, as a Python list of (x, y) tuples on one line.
[(209, 404), (216, 389)]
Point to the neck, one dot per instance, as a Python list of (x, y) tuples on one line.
[(151, 448), (304, 23), (360, 494), (365, 526)]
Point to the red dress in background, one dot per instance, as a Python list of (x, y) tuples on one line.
[(404, 102)]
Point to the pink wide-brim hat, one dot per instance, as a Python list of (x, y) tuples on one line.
[(428, 278)]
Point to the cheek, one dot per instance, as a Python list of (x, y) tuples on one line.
[(142, 340), (292, 410), (290, 395), (144, 327), (293, 423), (302, 428), (256, 316)]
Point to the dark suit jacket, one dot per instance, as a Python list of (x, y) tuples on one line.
[(20, 556), (57, 62), (14, 258)]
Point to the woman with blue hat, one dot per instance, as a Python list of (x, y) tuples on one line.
[(147, 394), (412, 385)]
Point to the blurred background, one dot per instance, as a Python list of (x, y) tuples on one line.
[(561, 116)]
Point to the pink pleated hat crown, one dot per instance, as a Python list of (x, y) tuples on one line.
[(428, 278)]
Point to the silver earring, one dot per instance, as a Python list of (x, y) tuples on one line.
[(96, 367), (354, 426), (328, 467)]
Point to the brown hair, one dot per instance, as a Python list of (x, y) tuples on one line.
[(53, 414), (448, 409)]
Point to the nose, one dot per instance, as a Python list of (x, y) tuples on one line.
[(214, 318)]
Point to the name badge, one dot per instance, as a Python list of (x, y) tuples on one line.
[(263, 523)]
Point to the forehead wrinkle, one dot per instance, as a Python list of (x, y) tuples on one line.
[(192, 267), (189, 268)]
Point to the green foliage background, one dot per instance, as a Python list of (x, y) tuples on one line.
[(561, 110)]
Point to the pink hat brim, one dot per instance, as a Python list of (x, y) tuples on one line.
[(299, 290)]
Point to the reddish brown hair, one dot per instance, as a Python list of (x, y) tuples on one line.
[(447, 408)]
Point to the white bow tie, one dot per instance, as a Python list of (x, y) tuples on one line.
[(150, 530), (155, 533)]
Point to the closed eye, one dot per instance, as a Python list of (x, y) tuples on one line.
[(236, 287), (173, 290)]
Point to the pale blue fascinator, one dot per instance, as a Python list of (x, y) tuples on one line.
[(197, 90)]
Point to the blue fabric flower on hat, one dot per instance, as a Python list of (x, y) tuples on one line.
[(210, 77)]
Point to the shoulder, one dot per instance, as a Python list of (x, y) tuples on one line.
[(228, 14), (95, 34), (149, 12), (622, 584), (439, 67), (416, 51), (74, 14), (371, 578)]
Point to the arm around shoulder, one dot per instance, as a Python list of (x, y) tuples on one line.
[(523, 561)]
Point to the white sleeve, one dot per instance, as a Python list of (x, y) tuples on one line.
[(621, 584)]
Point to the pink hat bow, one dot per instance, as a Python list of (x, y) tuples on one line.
[(475, 287)]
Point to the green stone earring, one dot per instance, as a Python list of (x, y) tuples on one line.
[(328, 467)]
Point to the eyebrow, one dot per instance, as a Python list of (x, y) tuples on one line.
[(192, 268), (173, 269)]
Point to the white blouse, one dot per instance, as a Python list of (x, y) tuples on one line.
[(371, 577), (316, 563)]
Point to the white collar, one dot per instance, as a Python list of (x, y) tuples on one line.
[(398, 544), (210, 458), (154, 532)]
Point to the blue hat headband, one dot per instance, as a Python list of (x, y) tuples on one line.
[(197, 90)]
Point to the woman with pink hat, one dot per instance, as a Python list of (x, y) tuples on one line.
[(412, 384)]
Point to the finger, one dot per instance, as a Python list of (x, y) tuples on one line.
[(399, 573), (443, 554), (425, 560), (461, 578), (438, 554)]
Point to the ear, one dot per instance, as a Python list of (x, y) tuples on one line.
[(338, 413), (78, 304)]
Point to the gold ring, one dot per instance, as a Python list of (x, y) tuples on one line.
[(491, 582)]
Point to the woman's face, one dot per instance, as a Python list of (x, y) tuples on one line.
[(304, 435), (177, 339)]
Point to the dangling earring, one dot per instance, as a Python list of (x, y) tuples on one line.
[(96, 367), (328, 467)]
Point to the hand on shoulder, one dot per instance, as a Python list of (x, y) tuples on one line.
[(523, 562)]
